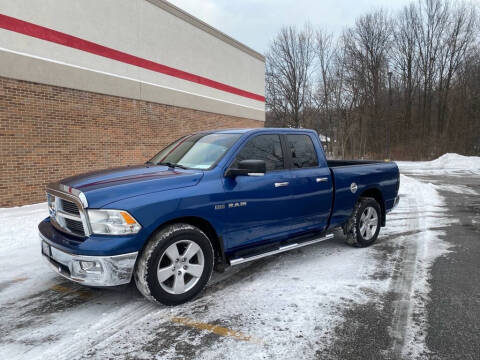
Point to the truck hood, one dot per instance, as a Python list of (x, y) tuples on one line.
[(106, 186)]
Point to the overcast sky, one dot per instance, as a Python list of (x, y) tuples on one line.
[(255, 22)]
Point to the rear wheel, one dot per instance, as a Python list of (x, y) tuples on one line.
[(175, 265), (364, 225)]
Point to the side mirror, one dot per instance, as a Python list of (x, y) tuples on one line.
[(249, 168)]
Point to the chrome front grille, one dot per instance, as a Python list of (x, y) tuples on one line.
[(67, 211)]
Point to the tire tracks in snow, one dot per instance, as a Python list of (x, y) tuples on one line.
[(402, 283), (408, 284)]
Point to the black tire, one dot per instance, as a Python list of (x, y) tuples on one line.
[(145, 274), (352, 229)]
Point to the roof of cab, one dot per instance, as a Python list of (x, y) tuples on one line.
[(252, 130)]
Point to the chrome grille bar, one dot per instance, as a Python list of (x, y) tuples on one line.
[(75, 198)]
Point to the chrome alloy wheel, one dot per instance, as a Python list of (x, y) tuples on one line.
[(180, 267), (368, 223)]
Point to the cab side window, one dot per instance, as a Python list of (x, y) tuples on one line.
[(302, 151), (263, 147)]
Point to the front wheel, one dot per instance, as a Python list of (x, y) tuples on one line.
[(175, 265), (364, 225)]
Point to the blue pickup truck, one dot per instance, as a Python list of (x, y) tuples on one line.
[(207, 201)]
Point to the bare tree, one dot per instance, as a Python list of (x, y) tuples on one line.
[(431, 22), (343, 99), (367, 45), (324, 97), (340, 86), (289, 65), (403, 61), (458, 40)]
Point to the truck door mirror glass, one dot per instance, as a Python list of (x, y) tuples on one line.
[(248, 168)]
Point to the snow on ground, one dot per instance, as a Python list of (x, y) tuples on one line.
[(271, 304), (283, 306), (21, 265)]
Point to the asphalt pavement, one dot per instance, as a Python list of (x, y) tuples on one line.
[(453, 313)]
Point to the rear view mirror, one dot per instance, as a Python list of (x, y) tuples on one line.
[(248, 168)]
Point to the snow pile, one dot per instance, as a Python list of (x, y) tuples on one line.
[(455, 161), (450, 163)]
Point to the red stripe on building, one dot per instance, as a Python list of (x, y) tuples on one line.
[(57, 37)]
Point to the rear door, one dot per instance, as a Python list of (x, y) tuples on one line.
[(257, 207), (311, 184)]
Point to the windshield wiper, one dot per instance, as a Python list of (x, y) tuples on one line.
[(172, 165)]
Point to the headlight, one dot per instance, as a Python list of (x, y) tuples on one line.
[(113, 222)]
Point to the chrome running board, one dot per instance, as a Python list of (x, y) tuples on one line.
[(281, 249)]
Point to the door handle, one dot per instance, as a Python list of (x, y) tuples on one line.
[(322, 179), (279, 184)]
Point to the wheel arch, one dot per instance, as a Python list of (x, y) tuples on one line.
[(376, 194), (205, 226)]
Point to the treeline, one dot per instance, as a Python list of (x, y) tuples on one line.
[(402, 86)]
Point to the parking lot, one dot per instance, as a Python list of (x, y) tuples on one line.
[(414, 294)]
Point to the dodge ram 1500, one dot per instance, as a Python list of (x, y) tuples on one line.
[(207, 201)]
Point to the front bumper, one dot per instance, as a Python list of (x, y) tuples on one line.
[(103, 271)]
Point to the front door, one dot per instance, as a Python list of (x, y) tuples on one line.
[(257, 207)]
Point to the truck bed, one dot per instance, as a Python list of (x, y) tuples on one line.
[(380, 177)]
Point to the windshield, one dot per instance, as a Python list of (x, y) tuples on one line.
[(199, 151)]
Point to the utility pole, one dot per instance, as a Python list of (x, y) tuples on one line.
[(390, 113)]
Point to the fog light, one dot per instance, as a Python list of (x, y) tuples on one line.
[(91, 266)]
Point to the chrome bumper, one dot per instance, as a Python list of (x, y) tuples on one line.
[(89, 270)]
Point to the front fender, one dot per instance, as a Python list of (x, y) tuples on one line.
[(154, 210)]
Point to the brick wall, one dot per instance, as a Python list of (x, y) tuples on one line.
[(49, 132)]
